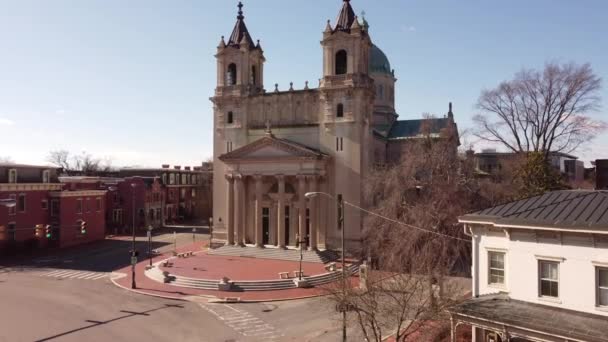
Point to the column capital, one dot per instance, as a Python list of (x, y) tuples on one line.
[(280, 178), (229, 177), (258, 177), (301, 178), (238, 176)]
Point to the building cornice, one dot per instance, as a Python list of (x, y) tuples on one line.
[(84, 193), (31, 186)]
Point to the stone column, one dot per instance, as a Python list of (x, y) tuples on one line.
[(239, 210), (230, 209), (258, 211), (314, 213), (281, 213), (301, 208)]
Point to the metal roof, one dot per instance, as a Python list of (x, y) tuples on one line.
[(564, 209), (404, 129), (550, 321)]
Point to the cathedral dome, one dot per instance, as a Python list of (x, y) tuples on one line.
[(378, 62)]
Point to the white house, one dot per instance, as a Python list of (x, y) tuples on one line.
[(540, 269)]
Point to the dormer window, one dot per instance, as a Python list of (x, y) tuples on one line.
[(230, 118), (341, 62), (231, 75), (12, 176), (46, 176), (340, 111)]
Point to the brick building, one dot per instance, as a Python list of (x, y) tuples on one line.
[(40, 201)]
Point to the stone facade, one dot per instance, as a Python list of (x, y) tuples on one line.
[(271, 148)]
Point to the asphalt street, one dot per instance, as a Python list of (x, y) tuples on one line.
[(68, 296)]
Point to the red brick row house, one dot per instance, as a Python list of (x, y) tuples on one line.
[(36, 205)]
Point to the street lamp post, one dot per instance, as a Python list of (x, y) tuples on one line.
[(340, 202), (301, 255), (133, 253), (150, 243), (193, 235)]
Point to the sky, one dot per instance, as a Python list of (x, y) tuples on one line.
[(130, 80)]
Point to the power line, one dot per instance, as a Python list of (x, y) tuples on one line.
[(405, 224)]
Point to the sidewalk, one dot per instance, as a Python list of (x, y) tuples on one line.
[(151, 287)]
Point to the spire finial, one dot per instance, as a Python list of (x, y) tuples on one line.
[(240, 16), (450, 113)]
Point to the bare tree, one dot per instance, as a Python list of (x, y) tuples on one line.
[(413, 239), (83, 163), (542, 111), (60, 158), (6, 160)]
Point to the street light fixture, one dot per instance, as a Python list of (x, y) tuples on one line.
[(150, 228), (340, 202), (9, 203)]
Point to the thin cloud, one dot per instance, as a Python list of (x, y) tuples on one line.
[(408, 28), (6, 122)]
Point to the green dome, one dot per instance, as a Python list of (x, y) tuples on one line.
[(378, 62)]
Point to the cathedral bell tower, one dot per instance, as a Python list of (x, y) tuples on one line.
[(240, 62), (346, 85)]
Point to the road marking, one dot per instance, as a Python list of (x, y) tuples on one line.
[(243, 322), (75, 274)]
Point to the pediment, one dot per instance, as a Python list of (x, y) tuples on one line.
[(272, 148)]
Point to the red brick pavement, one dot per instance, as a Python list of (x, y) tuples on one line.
[(151, 287), (215, 267)]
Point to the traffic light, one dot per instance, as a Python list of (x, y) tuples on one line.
[(38, 230), (48, 231), (83, 227)]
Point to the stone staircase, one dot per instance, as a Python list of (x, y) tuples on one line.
[(321, 257), (242, 286)]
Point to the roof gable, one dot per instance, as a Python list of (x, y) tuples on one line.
[(272, 148)]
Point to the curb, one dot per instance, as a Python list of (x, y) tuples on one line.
[(118, 275)]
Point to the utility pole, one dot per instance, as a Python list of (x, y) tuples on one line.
[(341, 225), (133, 252)]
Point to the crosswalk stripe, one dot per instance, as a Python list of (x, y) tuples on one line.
[(60, 274), (99, 276), (74, 274), (82, 275)]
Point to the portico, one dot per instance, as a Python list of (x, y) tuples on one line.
[(266, 183)]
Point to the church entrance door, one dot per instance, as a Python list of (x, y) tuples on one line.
[(265, 226), (286, 227)]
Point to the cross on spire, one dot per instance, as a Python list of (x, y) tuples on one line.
[(240, 16)]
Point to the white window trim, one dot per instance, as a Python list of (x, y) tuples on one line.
[(13, 181), (597, 288), (549, 258), (502, 286), (559, 279), (46, 176)]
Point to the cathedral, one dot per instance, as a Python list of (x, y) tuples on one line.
[(273, 148)]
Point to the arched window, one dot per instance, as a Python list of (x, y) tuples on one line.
[(231, 75), (341, 62), (254, 75), (230, 118), (340, 111), (381, 92)]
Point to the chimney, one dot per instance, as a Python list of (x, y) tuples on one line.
[(166, 166), (601, 174), (177, 167), (187, 168)]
